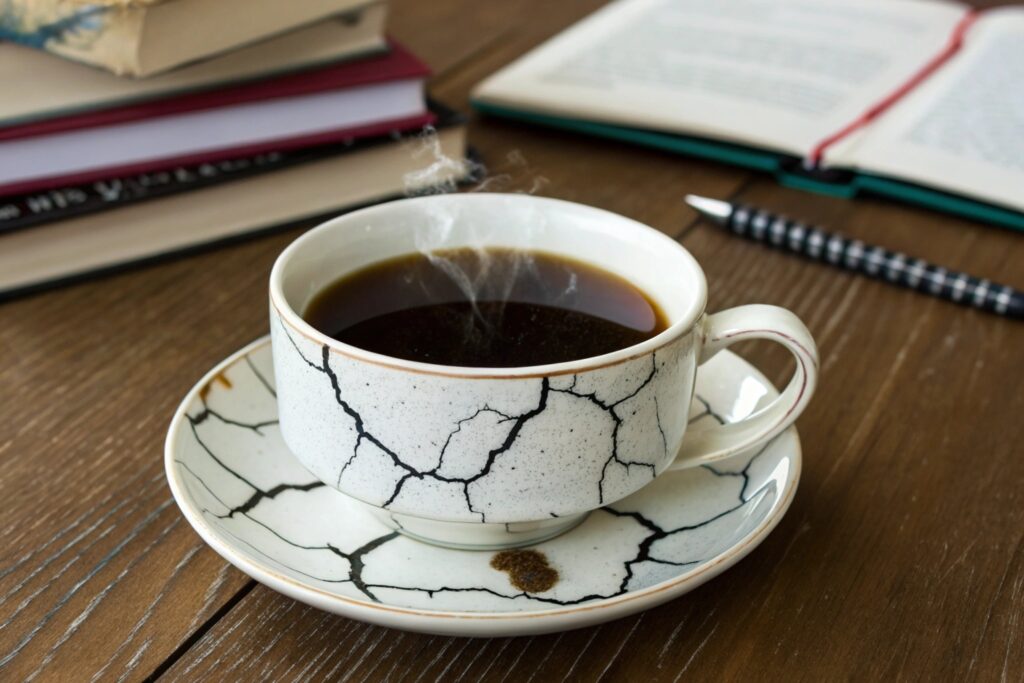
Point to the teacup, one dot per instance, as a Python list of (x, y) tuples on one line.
[(499, 457)]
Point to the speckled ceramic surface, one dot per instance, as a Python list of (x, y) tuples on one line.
[(247, 496), (487, 450), (484, 457)]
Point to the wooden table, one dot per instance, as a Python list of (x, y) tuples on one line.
[(901, 557)]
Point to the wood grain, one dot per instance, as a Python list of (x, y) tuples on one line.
[(901, 557), (877, 559), (100, 577)]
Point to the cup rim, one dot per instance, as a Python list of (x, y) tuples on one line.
[(686, 322)]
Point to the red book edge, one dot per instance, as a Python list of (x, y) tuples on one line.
[(953, 45), (397, 64), (209, 156)]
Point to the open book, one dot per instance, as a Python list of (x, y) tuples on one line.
[(922, 100)]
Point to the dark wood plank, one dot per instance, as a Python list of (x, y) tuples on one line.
[(100, 576), (900, 558), (643, 184), (100, 572), (905, 539)]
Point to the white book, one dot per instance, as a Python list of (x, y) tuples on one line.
[(259, 123)]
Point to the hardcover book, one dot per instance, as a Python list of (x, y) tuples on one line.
[(18, 212), (300, 186), (54, 88), (348, 100), (143, 37)]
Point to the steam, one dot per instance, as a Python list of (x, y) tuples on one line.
[(473, 268), (513, 174), (441, 173)]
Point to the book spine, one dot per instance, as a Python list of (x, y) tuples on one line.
[(97, 34), (25, 210), (46, 206)]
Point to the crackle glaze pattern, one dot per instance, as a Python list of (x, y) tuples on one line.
[(477, 449), (240, 487)]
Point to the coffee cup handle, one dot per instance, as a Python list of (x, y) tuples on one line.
[(709, 441)]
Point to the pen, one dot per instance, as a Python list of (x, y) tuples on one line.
[(899, 269)]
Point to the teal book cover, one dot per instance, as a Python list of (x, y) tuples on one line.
[(785, 169)]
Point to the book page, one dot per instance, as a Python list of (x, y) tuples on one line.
[(963, 129), (780, 74)]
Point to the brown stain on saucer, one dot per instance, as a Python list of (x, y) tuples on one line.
[(219, 378), (528, 570)]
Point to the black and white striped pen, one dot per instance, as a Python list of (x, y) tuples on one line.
[(876, 262)]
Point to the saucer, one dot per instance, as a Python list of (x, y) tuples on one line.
[(252, 502)]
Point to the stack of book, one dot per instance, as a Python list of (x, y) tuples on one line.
[(133, 129)]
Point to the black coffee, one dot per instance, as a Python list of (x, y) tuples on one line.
[(490, 308)]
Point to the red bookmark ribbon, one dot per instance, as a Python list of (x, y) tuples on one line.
[(956, 40)]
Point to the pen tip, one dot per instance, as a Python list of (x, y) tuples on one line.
[(712, 208)]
